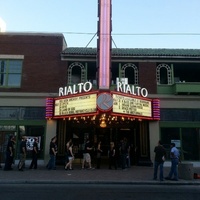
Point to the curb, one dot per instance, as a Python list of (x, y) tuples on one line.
[(89, 182)]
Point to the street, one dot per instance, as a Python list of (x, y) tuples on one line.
[(98, 192)]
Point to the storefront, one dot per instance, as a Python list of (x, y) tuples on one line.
[(22, 121), (106, 116)]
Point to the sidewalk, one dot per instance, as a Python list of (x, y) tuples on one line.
[(133, 175)]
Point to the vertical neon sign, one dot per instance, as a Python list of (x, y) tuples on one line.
[(104, 43)]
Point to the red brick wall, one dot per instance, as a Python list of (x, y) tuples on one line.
[(43, 70), (147, 76)]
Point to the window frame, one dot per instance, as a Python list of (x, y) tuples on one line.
[(7, 72)]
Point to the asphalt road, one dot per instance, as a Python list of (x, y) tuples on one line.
[(97, 192)]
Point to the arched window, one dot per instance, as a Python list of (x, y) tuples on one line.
[(130, 71), (76, 73), (164, 74)]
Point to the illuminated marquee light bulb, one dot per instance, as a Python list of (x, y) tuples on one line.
[(103, 124)]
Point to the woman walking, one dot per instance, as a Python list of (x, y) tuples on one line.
[(70, 156)]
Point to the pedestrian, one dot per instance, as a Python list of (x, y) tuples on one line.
[(66, 152), (23, 151), (123, 153), (70, 156), (175, 156), (128, 159), (160, 154), (86, 155), (112, 156), (99, 151), (34, 154), (52, 153), (10, 149)]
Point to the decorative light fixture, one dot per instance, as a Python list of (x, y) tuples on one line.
[(103, 124)]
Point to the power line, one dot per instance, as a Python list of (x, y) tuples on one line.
[(116, 34), (130, 34), (156, 34)]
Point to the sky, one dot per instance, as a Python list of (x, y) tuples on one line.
[(135, 23)]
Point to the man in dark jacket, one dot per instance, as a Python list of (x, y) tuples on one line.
[(52, 152), (160, 154), (10, 153)]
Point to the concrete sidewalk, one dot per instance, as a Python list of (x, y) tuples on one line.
[(133, 175)]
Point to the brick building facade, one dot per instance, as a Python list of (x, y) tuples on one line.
[(35, 66)]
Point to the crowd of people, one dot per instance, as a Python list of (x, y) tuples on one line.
[(10, 150), (118, 156)]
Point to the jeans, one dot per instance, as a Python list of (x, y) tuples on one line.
[(52, 162), (8, 162), (112, 162), (22, 160), (156, 165), (34, 162), (173, 170), (123, 161)]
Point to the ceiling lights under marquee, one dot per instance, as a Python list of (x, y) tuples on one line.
[(103, 120)]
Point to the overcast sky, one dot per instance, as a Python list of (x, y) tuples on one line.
[(136, 23)]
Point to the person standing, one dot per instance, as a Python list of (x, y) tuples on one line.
[(10, 153), (23, 151), (86, 155), (128, 159), (123, 153), (112, 156), (99, 151), (52, 152), (174, 155), (34, 154), (160, 154)]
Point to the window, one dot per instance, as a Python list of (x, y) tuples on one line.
[(178, 114), (190, 143), (22, 113), (169, 135), (164, 74), (186, 140), (186, 72), (130, 71), (10, 73), (31, 132), (76, 73)]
